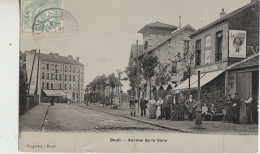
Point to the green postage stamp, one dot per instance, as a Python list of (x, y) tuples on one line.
[(42, 16)]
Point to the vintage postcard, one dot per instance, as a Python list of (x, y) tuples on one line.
[(139, 76)]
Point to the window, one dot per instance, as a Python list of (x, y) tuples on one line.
[(74, 86), (24, 57), (65, 77), (60, 86), (56, 68), (42, 85), (51, 85), (48, 67), (69, 86), (69, 77), (73, 78), (48, 77), (174, 67), (43, 66), (66, 68), (186, 46), (60, 77), (43, 75), (56, 76), (65, 86), (51, 76), (48, 86), (74, 69), (70, 69), (198, 53), (145, 45), (219, 42), (52, 67)]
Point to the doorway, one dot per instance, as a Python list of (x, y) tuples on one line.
[(255, 95)]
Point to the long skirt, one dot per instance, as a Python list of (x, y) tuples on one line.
[(152, 112), (158, 111)]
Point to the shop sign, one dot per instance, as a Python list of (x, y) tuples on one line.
[(237, 43)]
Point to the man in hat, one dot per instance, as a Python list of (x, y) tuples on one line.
[(236, 108), (132, 106), (143, 105)]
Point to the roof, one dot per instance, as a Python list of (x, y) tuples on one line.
[(163, 40), (134, 49), (221, 20), (60, 59), (204, 79), (157, 24), (248, 62)]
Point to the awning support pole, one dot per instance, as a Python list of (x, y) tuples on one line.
[(198, 121)]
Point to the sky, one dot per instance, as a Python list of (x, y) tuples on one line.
[(107, 28)]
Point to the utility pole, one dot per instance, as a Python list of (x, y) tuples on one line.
[(36, 89), (138, 82), (198, 121), (31, 72)]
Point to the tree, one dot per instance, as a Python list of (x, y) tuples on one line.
[(186, 60), (131, 71), (23, 87), (113, 82), (149, 64), (162, 76)]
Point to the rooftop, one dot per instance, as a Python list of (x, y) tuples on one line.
[(159, 25), (54, 57), (248, 62), (223, 19)]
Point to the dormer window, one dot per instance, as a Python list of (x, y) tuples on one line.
[(145, 45)]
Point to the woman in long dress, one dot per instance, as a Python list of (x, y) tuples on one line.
[(159, 104), (152, 108)]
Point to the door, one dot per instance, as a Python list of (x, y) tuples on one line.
[(243, 87)]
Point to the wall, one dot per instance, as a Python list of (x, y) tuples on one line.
[(212, 32), (248, 20)]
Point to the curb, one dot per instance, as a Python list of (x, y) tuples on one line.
[(143, 121), (44, 117)]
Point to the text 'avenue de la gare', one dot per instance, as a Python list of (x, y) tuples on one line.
[(138, 140)]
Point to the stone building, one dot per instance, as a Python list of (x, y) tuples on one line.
[(165, 42), (58, 76)]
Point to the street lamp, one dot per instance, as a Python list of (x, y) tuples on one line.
[(198, 121)]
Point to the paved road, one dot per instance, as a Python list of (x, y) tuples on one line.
[(72, 118)]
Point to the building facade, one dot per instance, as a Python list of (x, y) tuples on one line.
[(166, 43), (57, 75)]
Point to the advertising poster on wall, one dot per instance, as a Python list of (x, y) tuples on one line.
[(237, 43), (208, 50)]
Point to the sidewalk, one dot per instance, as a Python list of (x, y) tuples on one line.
[(33, 119), (210, 127)]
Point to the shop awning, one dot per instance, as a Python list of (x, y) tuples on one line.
[(54, 93), (204, 79)]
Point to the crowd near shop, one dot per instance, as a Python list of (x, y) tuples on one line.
[(216, 67)]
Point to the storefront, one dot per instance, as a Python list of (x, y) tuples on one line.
[(244, 79)]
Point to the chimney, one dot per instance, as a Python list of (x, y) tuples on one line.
[(77, 58), (70, 57), (179, 22), (222, 13), (56, 55)]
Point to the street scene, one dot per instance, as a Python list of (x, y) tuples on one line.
[(198, 74)]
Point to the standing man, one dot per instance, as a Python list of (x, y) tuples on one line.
[(248, 102), (143, 105), (182, 106), (236, 108), (167, 107), (190, 104), (132, 107)]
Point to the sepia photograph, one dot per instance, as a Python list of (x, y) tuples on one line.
[(139, 76)]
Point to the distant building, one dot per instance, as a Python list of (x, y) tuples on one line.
[(57, 76)]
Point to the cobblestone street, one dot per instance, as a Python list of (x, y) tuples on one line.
[(72, 118)]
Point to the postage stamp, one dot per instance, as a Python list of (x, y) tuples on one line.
[(40, 13)]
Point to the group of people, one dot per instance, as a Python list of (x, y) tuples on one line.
[(173, 108)]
